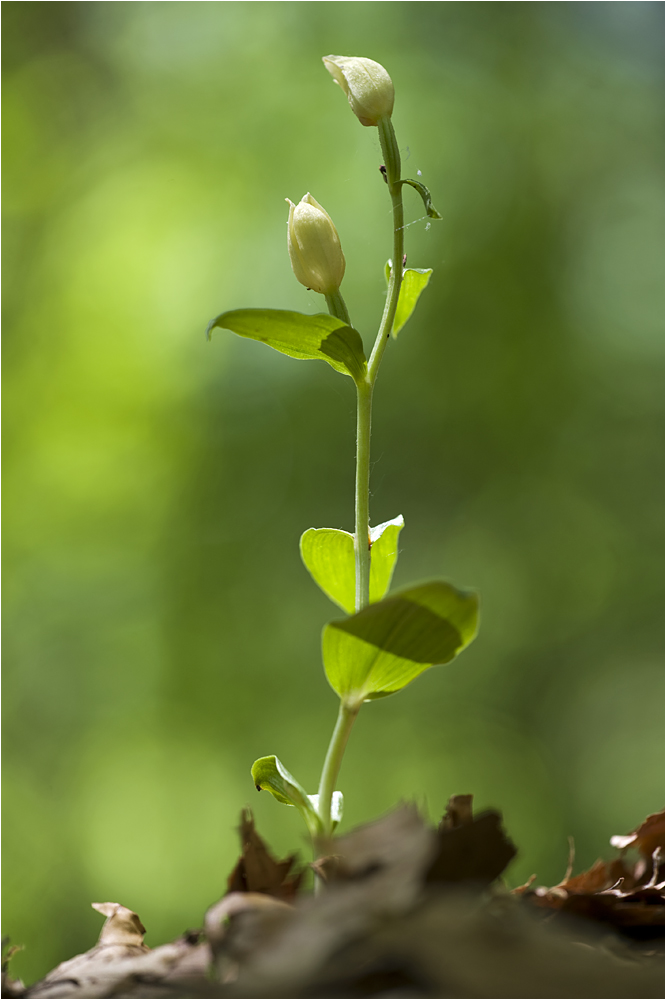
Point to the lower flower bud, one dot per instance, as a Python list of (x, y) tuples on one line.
[(316, 256)]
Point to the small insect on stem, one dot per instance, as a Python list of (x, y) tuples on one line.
[(384, 174)]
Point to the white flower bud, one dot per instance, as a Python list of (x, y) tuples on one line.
[(368, 86), (314, 246)]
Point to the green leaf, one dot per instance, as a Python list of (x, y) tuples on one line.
[(269, 774), (414, 280), (319, 337), (383, 556), (382, 648), (430, 210), (328, 554)]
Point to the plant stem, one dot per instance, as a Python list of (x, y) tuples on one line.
[(364, 388), (362, 497), (392, 162), (329, 774), (391, 153), (337, 307)]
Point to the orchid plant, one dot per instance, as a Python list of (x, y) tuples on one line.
[(385, 639)]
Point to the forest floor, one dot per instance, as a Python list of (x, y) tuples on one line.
[(404, 910)]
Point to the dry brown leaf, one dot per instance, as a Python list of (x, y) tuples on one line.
[(94, 972), (634, 916), (597, 879), (458, 812), (257, 870), (376, 932), (646, 838), (470, 848), (602, 875), (520, 890), (122, 925), (630, 898), (393, 853), (448, 944)]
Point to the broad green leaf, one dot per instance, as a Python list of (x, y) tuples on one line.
[(320, 337), (337, 806), (382, 648), (269, 774), (430, 209), (414, 280), (328, 554)]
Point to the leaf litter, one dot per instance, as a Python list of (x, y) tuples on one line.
[(405, 910)]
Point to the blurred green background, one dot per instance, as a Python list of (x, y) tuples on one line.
[(160, 630)]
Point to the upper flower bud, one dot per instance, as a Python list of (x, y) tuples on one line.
[(314, 246), (368, 86)]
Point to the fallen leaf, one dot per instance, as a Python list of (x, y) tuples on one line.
[(646, 838), (93, 973), (448, 944), (470, 848), (458, 812), (374, 931), (520, 890), (393, 852), (629, 898), (602, 875), (257, 870), (635, 917), (122, 925), (234, 903)]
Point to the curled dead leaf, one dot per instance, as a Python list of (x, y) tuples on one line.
[(257, 870), (601, 876), (122, 925), (646, 838), (628, 897)]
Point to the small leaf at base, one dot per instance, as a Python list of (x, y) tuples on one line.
[(269, 774)]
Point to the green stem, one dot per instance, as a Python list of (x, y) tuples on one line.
[(331, 769), (392, 162), (364, 387), (362, 497), (337, 307)]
